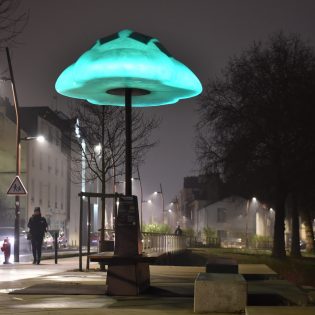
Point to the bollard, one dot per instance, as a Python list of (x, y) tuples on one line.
[(56, 246)]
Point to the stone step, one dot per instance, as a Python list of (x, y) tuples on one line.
[(280, 310)]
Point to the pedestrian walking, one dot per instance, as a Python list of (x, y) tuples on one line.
[(6, 249), (178, 231), (38, 227)]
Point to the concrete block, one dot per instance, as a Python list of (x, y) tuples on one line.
[(219, 292), (280, 310)]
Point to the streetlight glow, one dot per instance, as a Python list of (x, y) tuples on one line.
[(98, 148), (254, 199), (41, 139)]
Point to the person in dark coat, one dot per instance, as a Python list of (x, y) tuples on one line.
[(178, 231), (38, 227)]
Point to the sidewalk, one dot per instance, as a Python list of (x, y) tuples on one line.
[(59, 289), (50, 289)]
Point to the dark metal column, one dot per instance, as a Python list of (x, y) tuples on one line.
[(88, 235), (80, 232), (18, 162), (128, 162)]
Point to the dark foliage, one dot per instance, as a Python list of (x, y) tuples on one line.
[(257, 124)]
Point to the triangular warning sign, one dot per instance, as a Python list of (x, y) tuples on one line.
[(17, 187)]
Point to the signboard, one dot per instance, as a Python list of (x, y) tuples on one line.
[(17, 187)]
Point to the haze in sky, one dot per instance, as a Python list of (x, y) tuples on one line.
[(202, 34)]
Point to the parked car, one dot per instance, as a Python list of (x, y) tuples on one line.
[(94, 238), (232, 242), (48, 242), (62, 241), (8, 231)]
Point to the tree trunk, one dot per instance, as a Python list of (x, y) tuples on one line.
[(295, 239), (309, 233), (278, 249)]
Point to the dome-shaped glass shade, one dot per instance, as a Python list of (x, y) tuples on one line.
[(128, 60)]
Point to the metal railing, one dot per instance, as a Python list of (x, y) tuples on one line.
[(155, 242)]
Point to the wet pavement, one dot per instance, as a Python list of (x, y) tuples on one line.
[(61, 289)]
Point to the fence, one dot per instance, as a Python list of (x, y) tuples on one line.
[(155, 242)]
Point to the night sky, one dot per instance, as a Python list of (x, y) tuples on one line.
[(202, 34)]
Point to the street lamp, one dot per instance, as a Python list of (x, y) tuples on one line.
[(40, 139), (149, 201), (246, 222), (162, 196), (18, 156), (128, 69), (18, 160)]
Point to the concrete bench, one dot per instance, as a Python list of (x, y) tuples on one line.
[(221, 265), (126, 275), (108, 258), (220, 292)]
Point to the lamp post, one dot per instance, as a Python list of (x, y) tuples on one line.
[(149, 202), (246, 222), (128, 69), (162, 196), (18, 161)]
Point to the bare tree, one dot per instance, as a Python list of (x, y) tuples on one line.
[(12, 22), (98, 145)]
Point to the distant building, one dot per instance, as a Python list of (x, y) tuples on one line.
[(198, 192), (234, 217), (205, 205), (46, 167), (8, 167)]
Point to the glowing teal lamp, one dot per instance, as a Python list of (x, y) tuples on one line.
[(128, 68), (128, 60), (125, 69)]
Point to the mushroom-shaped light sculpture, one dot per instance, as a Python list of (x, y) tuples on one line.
[(128, 69), (123, 60)]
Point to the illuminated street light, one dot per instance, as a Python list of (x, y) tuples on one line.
[(128, 69), (149, 201), (254, 199), (162, 196), (40, 139)]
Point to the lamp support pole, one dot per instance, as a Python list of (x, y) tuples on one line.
[(163, 210), (246, 223), (128, 162), (141, 196), (18, 162)]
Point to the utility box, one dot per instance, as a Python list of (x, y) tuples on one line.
[(127, 228)]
